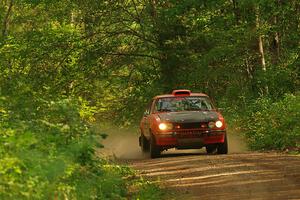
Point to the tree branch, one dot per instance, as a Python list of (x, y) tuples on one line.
[(131, 55)]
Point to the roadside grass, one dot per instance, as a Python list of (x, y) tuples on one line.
[(138, 188), (144, 190), (130, 185), (294, 152)]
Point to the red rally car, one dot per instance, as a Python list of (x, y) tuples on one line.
[(182, 120)]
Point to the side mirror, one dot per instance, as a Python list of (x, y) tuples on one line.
[(146, 113), (220, 109)]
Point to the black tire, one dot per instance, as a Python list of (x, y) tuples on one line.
[(154, 150), (223, 147), (145, 146), (211, 148)]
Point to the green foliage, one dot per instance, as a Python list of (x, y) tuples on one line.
[(117, 55), (43, 149), (273, 125), (148, 190), (63, 61), (51, 154), (48, 149)]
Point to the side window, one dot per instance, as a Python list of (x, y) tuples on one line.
[(157, 105), (148, 108)]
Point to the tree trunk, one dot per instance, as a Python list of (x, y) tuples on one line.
[(6, 19), (261, 50), (276, 37), (153, 8), (167, 68), (72, 19), (276, 43), (236, 11)]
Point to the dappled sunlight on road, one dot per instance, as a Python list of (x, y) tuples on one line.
[(193, 174), (186, 169), (236, 176)]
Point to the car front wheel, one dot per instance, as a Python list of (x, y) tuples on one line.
[(210, 148), (223, 147), (144, 143), (154, 150)]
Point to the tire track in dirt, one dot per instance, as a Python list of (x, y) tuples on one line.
[(236, 176), (192, 174)]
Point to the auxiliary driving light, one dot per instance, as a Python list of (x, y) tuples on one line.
[(211, 124)]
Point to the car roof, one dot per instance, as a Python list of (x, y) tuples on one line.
[(172, 95)]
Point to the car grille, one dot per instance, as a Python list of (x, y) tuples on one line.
[(194, 125), (190, 134)]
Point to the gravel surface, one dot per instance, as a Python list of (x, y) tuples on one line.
[(235, 176), (192, 174)]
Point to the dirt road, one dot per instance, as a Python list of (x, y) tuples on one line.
[(194, 175), (235, 176)]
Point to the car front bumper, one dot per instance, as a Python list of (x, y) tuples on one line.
[(189, 138)]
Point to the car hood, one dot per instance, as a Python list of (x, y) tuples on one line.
[(189, 116)]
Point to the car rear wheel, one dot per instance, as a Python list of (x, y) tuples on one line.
[(144, 143), (223, 147), (154, 150), (210, 148)]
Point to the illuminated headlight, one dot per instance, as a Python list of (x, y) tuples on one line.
[(219, 124), (165, 126)]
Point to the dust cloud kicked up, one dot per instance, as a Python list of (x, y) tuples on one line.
[(123, 144)]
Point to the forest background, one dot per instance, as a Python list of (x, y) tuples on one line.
[(65, 65)]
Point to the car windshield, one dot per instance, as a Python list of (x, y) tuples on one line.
[(175, 104)]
